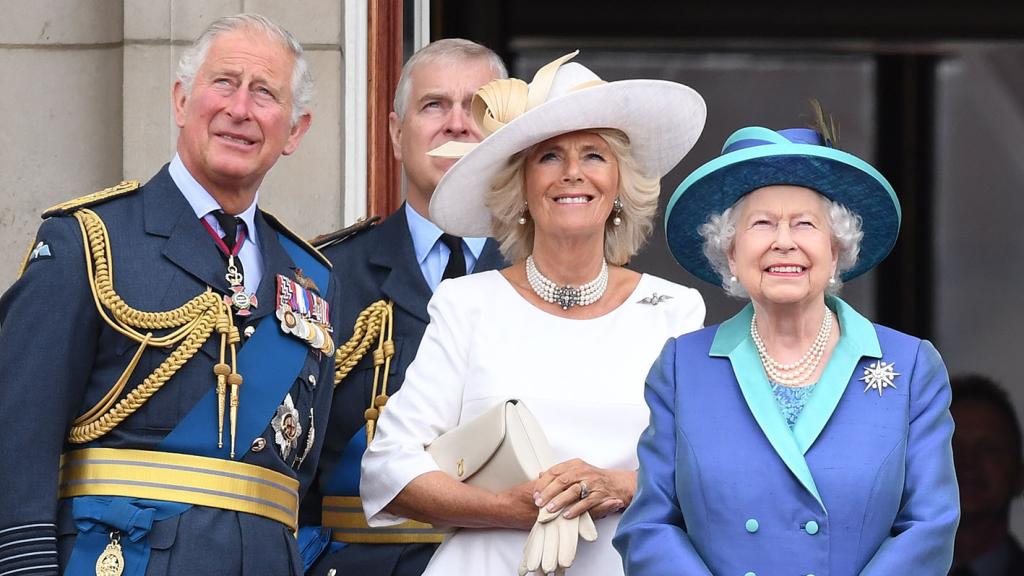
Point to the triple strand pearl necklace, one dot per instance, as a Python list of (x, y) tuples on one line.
[(566, 296), (797, 373)]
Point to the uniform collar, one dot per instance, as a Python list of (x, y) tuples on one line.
[(202, 203), (425, 234)]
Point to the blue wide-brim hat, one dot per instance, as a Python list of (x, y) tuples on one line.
[(756, 157)]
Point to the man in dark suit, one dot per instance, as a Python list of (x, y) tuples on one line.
[(167, 354), (988, 458), (401, 262)]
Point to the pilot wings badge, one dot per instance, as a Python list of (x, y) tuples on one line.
[(654, 299)]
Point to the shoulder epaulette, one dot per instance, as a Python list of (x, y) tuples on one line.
[(65, 208), (276, 223), (330, 239)]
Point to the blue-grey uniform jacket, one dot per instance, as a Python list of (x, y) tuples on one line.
[(379, 263), (58, 358)]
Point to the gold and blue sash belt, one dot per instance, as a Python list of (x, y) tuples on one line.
[(184, 478), (344, 516)]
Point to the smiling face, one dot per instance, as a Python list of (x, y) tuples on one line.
[(571, 183), (783, 251), (236, 122), (437, 112)]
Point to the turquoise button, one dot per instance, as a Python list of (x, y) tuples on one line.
[(752, 525), (750, 574), (812, 529)]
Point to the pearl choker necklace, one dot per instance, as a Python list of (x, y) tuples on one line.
[(797, 373), (566, 296)]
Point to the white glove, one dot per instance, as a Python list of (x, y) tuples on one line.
[(551, 545)]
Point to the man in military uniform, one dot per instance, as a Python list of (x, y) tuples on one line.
[(390, 273), (167, 353)]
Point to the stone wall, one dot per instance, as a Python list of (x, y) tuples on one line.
[(87, 102)]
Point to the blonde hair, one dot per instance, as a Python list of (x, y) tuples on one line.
[(638, 194)]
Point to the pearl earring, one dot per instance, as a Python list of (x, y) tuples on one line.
[(522, 215), (617, 206), (732, 279), (832, 280)]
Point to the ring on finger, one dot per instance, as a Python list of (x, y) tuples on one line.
[(584, 490)]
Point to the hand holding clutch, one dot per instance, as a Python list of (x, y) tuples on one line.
[(496, 451), (551, 545)]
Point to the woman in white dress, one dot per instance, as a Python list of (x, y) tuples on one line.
[(567, 179)]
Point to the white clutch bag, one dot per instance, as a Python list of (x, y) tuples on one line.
[(499, 449), (502, 448)]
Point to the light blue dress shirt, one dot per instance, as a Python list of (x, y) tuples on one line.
[(203, 204), (431, 253)]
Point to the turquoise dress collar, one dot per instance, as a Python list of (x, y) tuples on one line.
[(857, 340)]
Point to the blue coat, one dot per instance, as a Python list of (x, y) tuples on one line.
[(59, 357), (375, 264), (862, 484)]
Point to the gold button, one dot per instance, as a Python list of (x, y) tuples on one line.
[(259, 444), (312, 380), (332, 572), (249, 331)]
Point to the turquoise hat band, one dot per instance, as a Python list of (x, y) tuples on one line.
[(754, 133), (835, 174)]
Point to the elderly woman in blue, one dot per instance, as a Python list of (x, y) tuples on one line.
[(796, 438)]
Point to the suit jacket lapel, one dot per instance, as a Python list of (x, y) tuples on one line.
[(731, 340), (490, 257), (858, 340), (404, 283), (189, 246)]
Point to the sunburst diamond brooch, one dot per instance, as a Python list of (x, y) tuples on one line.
[(879, 375)]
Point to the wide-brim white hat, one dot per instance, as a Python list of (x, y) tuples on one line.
[(662, 120)]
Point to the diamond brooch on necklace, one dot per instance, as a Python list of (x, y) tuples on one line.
[(566, 296)]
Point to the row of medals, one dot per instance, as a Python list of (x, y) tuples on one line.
[(315, 331), (316, 334)]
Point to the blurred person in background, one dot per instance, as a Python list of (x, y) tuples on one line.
[(987, 453)]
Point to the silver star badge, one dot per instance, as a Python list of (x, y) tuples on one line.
[(654, 299), (879, 375), (287, 428)]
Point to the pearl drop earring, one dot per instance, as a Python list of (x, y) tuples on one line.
[(617, 205), (522, 215)]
